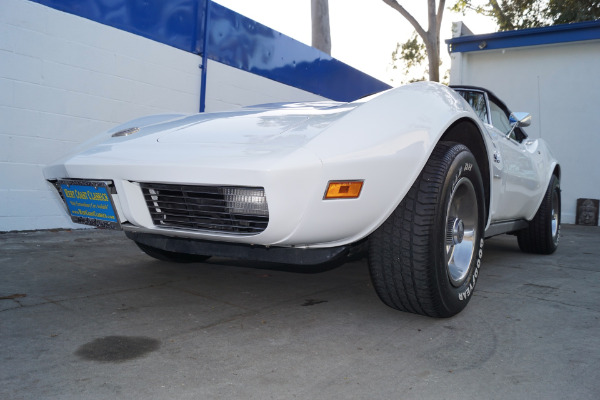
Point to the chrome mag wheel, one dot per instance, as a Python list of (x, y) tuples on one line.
[(461, 231), (555, 215)]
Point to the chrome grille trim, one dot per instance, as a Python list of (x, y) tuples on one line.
[(201, 208)]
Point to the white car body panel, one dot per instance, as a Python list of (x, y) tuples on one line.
[(294, 150), (518, 178)]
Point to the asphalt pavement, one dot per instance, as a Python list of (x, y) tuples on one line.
[(84, 314)]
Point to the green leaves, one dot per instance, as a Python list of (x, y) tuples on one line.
[(521, 14), (410, 55), (567, 11)]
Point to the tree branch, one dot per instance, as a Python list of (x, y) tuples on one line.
[(503, 21), (394, 4), (495, 6), (440, 14)]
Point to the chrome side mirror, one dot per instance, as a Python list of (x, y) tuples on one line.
[(520, 119)]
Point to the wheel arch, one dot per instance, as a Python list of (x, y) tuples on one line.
[(556, 171), (466, 132)]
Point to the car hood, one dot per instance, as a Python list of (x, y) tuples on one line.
[(287, 125), (251, 137)]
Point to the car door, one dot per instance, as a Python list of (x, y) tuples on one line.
[(517, 168)]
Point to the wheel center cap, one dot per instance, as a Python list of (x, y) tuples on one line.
[(456, 231)]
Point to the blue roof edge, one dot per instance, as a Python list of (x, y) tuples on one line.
[(563, 33)]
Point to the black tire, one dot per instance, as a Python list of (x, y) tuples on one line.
[(543, 233), (411, 256), (170, 256)]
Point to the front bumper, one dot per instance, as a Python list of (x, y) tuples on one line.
[(287, 255)]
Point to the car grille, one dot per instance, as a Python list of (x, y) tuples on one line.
[(224, 209)]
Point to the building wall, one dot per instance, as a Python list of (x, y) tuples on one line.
[(228, 88), (559, 85), (64, 78)]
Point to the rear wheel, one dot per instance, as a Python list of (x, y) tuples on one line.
[(425, 258), (543, 233), (170, 256)]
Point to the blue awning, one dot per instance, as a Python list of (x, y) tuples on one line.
[(526, 37)]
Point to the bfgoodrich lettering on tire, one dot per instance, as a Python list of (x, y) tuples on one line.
[(426, 257)]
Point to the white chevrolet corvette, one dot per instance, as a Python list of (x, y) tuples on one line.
[(417, 176)]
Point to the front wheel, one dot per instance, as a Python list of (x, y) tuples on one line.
[(426, 256)]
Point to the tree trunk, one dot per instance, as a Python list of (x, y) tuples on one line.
[(431, 36), (321, 37), (433, 56)]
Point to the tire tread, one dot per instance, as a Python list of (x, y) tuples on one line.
[(403, 276), (537, 238)]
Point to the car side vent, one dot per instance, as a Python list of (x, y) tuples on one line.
[(224, 209)]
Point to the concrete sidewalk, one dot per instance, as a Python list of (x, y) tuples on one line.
[(86, 315)]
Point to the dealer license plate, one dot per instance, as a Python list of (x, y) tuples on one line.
[(90, 203)]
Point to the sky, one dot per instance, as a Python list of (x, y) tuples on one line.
[(364, 33)]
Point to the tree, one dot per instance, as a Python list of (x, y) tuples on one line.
[(521, 14), (509, 15), (411, 55), (567, 11), (431, 36), (321, 36)]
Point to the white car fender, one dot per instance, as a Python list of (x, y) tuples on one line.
[(548, 167), (388, 157)]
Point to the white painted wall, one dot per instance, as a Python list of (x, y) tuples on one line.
[(228, 88), (64, 78), (560, 86)]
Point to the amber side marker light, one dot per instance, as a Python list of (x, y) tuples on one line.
[(343, 190)]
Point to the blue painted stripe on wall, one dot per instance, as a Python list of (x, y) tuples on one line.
[(526, 37), (246, 44), (176, 23), (233, 40)]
